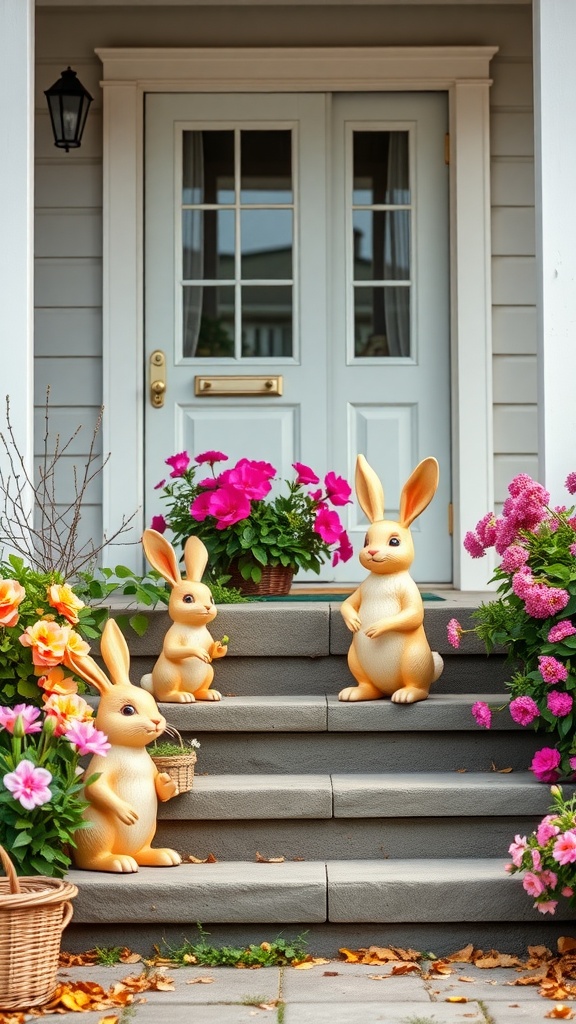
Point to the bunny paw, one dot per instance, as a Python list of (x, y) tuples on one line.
[(162, 858), (120, 863), (180, 697), (409, 695), (364, 691), (208, 695)]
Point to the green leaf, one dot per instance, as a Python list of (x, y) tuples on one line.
[(28, 688), (22, 839), (139, 624), (122, 572)]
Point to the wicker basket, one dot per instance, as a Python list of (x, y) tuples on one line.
[(276, 581), (180, 767), (34, 912)]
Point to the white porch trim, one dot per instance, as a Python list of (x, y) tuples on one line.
[(461, 71), (17, 220), (555, 161)]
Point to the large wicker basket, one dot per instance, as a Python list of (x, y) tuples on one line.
[(33, 914), (276, 581)]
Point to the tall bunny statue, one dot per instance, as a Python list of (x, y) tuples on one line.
[(183, 672), (123, 801), (389, 655)]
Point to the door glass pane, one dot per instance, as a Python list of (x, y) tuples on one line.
[(381, 245), (266, 162), (267, 321), (381, 322), (208, 321), (266, 244), (237, 227), (381, 241)]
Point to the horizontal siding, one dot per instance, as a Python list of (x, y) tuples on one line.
[(66, 331), (516, 429), (68, 282), (514, 330), (513, 231), (70, 427), (512, 182), (89, 527), (515, 379), (513, 280), (67, 232), (68, 183), (72, 381), (506, 467)]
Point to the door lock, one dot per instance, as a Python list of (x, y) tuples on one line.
[(157, 378)]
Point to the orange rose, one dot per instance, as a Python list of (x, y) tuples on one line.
[(55, 681), (67, 709), (48, 641), (11, 595), (64, 600), (76, 645)]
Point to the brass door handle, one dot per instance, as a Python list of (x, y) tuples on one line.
[(157, 378)]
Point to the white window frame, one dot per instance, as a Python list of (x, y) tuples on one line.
[(462, 72)]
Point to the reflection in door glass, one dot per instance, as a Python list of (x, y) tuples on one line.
[(237, 233), (381, 243)]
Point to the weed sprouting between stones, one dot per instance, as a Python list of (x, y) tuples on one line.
[(268, 954)]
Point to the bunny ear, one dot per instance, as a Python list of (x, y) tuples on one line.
[(195, 558), (369, 490), (85, 667), (161, 556), (114, 650), (419, 490)]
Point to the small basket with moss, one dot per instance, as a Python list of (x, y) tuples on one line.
[(177, 757)]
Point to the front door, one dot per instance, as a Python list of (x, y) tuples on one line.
[(296, 284)]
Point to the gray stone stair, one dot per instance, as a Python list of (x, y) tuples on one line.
[(393, 821)]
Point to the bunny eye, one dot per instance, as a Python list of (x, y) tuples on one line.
[(128, 709), (188, 599), (212, 600), (394, 542), (366, 541)]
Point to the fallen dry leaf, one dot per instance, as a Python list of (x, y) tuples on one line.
[(560, 1012), (111, 1019), (268, 1006), (456, 999), (379, 977), (210, 859), (12, 1018), (314, 961), (261, 859), (330, 974), (463, 977), (406, 968), (462, 956), (144, 983), (501, 771), (566, 943), (439, 967), (200, 981)]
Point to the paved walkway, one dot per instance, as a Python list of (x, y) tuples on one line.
[(333, 993)]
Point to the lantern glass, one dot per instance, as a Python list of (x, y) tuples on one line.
[(68, 104)]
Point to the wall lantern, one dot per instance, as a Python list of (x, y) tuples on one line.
[(68, 103)]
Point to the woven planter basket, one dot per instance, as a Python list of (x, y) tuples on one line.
[(180, 767), (276, 581), (34, 912)]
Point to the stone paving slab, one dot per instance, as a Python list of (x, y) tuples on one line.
[(352, 983), (528, 1012), (383, 1013), (252, 797), (249, 714), (441, 712), (494, 983)]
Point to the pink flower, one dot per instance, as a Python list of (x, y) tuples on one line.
[(228, 505), (567, 891), (516, 850), (537, 861), (560, 631), (344, 551), (27, 714), (158, 523), (560, 704), (571, 483), (545, 764), (549, 878), (486, 530), (564, 850), (532, 884), (572, 550), (249, 477), (87, 738), (209, 483), (482, 714), (338, 490), (305, 475), (542, 601), (48, 641), (551, 670), (514, 558), (523, 710), (454, 632), (159, 484), (546, 830), (328, 525), (179, 463), (29, 785), (211, 457), (522, 582), (473, 545), (546, 906), (200, 507)]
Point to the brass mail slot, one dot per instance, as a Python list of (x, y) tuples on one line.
[(215, 387)]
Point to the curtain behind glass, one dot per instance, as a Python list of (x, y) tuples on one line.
[(397, 249), (193, 239)]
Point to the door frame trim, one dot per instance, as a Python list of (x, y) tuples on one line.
[(462, 72)]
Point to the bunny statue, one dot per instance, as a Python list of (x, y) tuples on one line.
[(123, 801), (389, 655), (183, 672)]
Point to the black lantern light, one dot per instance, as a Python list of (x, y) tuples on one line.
[(68, 103)]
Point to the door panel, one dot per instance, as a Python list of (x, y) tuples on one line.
[(306, 237)]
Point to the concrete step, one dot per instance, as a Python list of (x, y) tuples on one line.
[(305, 816)]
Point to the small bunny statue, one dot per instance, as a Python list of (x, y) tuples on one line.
[(124, 799), (389, 655), (183, 672)]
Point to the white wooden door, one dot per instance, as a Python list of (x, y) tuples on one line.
[(266, 261)]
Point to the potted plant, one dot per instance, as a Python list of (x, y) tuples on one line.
[(534, 616), (250, 532)]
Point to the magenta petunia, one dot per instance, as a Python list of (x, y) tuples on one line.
[(546, 829), (29, 785), (200, 507), (344, 551), (560, 704), (228, 505), (159, 524), (211, 457), (328, 525), (305, 475), (545, 764), (179, 463), (523, 710), (160, 484), (454, 632), (249, 477), (571, 483), (564, 850), (482, 714), (552, 670), (338, 490), (560, 631)]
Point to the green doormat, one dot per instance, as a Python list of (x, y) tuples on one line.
[(328, 597)]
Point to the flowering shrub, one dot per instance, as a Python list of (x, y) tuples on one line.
[(230, 513), (548, 856), (41, 786), (534, 616)]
